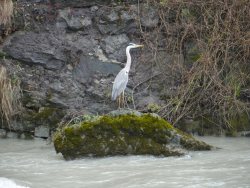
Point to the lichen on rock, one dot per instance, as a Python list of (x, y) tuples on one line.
[(125, 134)]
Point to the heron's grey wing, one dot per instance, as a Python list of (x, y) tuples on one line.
[(120, 83)]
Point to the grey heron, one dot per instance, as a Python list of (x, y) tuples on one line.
[(121, 78)]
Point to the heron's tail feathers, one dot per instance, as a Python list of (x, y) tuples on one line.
[(114, 95)]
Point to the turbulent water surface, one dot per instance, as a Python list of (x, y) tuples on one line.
[(34, 164)]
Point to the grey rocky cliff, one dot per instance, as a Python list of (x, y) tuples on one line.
[(66, 54)]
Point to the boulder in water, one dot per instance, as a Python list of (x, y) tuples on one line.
[(123, 134)]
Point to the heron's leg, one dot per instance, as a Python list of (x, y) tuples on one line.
[(123, 99), (119, 101)]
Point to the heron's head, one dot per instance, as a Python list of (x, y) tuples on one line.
[(133, 45)]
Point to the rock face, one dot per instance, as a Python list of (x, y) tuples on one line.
[(150, 16), (42, 132), (37, 49), (3, 133), (66, 54), (124, 134)]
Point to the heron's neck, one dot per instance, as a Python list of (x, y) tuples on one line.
[(128, 64)]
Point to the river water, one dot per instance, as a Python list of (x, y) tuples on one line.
[(34, 164)]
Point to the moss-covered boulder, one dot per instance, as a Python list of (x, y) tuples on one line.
[(124, 134)]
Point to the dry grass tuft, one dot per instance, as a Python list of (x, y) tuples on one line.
[(6, 11), (9, 97)]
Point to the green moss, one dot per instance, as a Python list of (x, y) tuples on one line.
[(191, 144), (240, 123), (44, 113), (231, 133), (44, 116), (2, 55)]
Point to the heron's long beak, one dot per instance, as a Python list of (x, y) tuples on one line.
[(139, 46)]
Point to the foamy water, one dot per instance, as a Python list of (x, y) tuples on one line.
[(4, 182), (34, 164)]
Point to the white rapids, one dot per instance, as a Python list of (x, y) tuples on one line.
[(34, 164)]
